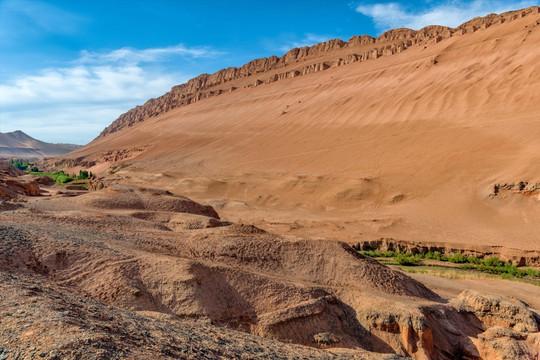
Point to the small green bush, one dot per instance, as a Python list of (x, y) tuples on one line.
[(493, 261), (20, 163), (532, 272), (84, 174), (408, 259), (457, 258), (61, 178), (378, 253), (433, 255)]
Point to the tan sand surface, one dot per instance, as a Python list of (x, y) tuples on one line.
[(400, 146)]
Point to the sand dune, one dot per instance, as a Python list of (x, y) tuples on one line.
[(406, 146)]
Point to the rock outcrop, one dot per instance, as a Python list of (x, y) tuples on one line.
[(302, 61), (525, 188), (11, 186), (496, 311), (139, 198), (510, 328)]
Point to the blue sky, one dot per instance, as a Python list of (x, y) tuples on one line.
[(69, 68)]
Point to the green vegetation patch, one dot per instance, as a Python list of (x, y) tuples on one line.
[(62, 178), (23, 164), (490, 265)]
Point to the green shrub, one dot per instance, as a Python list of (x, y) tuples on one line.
[(20, 163), (457, 258), (531, 272), (84, 174), (493, 261), (61, 178), (408, 259), (473, 260), (433, 255), (378, 253)]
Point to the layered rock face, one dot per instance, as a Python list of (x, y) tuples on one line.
[(302, 61)]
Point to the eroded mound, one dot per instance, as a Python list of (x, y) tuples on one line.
[(310, 292), (248, 282), (124, 197), (116, 247), (41, 320), (11, 187), (495, 311)]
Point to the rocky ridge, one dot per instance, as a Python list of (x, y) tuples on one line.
[(303, 61)]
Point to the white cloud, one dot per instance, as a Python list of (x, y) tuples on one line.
[(308, 40), (75, 102), (129, 55), (394, 15), (103, 83)]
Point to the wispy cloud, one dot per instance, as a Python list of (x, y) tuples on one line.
[(453, 13), (93, 89), (85, 84), (26, 16), (130, 55), (308, 40)]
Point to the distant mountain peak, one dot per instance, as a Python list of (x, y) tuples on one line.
[(19, 144)]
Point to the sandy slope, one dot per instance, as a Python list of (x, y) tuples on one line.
[(407, 146)]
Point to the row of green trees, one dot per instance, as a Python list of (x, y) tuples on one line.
[(58, 176), (23, 164), (491, 264), (61, 178)]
